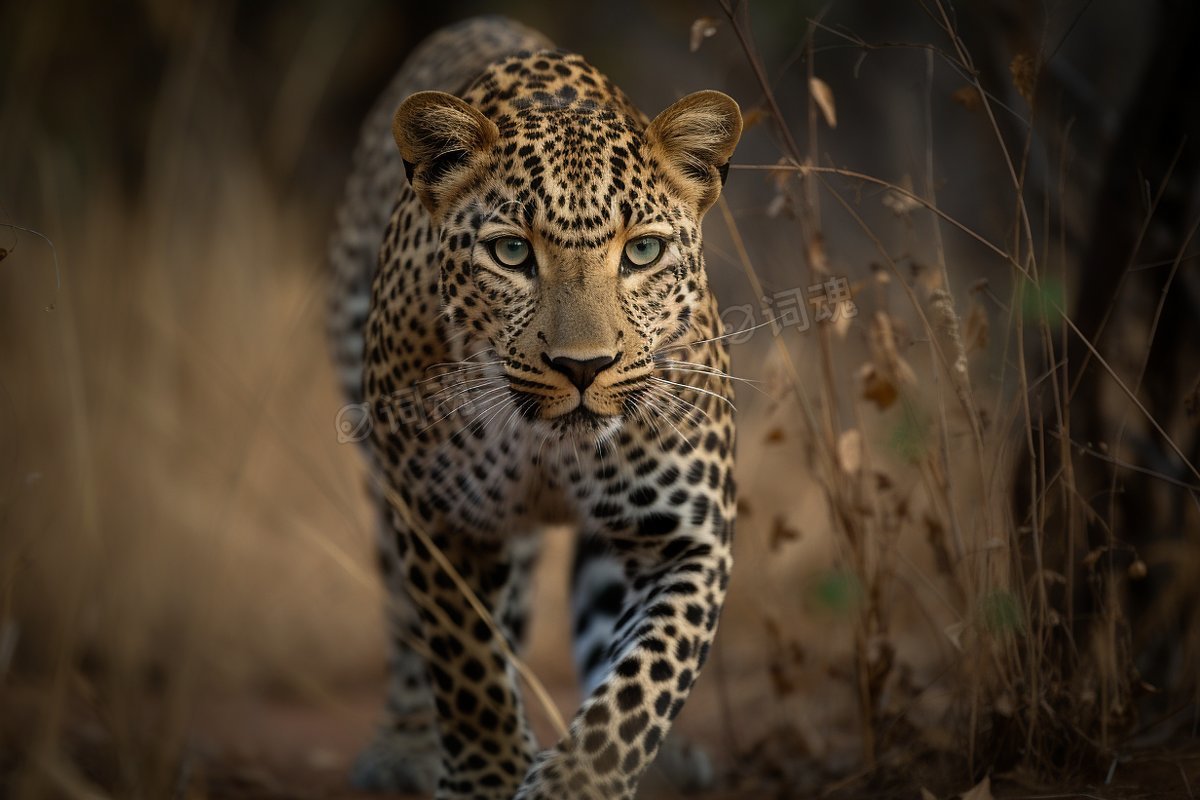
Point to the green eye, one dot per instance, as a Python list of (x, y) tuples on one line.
[(512, 252), (644, 251)]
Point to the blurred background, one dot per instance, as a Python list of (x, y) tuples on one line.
[(969, 540)]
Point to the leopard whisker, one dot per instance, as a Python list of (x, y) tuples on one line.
[(755, 385), (695, 365), (466, 391), (467, 383), (642, 404), (467, 361), (493, 404), (518, 409), (685, 345), (463, 369), (459, 407), (685, 408), (722, 398)]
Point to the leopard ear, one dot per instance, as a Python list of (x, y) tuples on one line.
[(694, 139), (437, 134)]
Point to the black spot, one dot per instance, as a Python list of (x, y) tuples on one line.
[(668, 476), (610, 601), (441, 677), (595, 658), (653, 737), (683, 649), (657, 524), (488, 720), (594, 741), (607, 760), (643, 496), (630, 697), (465, 701), (630, 728), (597, 716), (416, 579)]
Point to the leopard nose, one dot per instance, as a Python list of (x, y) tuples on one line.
[(580, 373)]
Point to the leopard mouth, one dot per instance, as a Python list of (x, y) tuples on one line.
[(579, 422), (535, 399)]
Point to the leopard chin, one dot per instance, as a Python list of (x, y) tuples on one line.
[(584, 426)]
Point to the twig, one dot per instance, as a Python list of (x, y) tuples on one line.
[(44, 238)]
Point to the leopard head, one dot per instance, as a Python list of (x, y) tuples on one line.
[(568, 228)]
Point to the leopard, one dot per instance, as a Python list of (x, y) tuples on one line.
[(520, 312)]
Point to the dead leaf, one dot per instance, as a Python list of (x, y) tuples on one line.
[(936, 534), (841, 325), (954, 632), (968, 97), (877, 388), (975, 329), (901, 202), (1091, 558), (887, 371), (1024, 75), (780, 681), (822, 95), (703, 28), (981, 791), (780, 177), (931, 280), (781, 534), (778, 206), (752, 116), (817, 257), (1191, 403), (849, 451)]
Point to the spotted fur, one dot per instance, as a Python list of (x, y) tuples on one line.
[(578, 388)]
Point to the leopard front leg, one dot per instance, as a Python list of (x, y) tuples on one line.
[(677, 566), (404, 754), (485, 743)]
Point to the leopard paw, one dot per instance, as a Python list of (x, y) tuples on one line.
[(680, 767), (398, 762)]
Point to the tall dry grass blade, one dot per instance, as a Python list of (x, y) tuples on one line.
[(531, 679)]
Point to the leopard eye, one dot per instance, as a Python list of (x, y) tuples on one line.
[(643, 252), (512, 252)]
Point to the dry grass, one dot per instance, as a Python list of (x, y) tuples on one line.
[(181, 526), (983, 472)]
